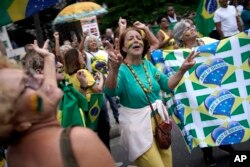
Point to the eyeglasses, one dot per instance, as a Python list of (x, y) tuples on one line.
[(192, 27)]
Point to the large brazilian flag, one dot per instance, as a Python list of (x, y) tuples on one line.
[(204, 16), (14, 10), (211, 104), (76, 110), (73, 107)]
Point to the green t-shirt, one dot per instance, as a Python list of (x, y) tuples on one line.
[(128, 89)]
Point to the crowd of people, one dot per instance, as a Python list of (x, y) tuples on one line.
[(47, 98)]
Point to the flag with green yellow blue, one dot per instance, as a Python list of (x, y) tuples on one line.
[(211, 104), (204, 16), (15, 10)]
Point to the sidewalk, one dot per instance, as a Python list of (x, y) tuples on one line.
[(181, 156)]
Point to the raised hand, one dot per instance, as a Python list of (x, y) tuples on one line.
[(56, 35), (85, 34), (43, 52), (115, 57), (189, 61), (46, 44), (139, 25), (122, 23), (82, 78), (99, 76)]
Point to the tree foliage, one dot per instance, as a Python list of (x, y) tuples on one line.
[(143, 10)]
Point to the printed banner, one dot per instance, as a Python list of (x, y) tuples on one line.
[(211, 104), (90, 25)]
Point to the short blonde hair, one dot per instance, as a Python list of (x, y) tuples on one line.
[(6, 101)]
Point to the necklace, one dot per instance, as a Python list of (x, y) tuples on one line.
[(137, 79)]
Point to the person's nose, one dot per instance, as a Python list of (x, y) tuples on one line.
[(59, 64)]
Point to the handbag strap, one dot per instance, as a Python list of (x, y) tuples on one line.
[(67, 153), (152, 109)]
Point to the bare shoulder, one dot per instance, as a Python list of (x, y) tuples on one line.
[(88, 148), (159, 34)]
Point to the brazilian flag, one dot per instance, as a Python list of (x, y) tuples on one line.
[(204, 16), (73, 106), (95, 106), (14, 10)]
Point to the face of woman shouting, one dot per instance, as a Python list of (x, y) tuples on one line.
[(133, 44)]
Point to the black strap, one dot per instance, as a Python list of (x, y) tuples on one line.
[(66, 149)]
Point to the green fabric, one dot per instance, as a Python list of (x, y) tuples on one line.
[(171, 25), (5, 18), (130, 93), (71, 106), (95, 106), (155, 29), (204, 16)]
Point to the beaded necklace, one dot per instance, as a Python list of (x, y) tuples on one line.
[(137, 79)]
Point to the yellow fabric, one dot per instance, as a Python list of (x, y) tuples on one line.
[(170, 45), (2, 163), (155, 156), (90, 79), (17, 10)]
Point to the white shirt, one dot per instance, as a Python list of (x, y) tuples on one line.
[(227, 17), (172, 20), (94, 57)]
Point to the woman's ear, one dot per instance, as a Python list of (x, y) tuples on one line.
[(23, 126)]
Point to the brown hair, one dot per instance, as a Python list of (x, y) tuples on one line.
[(71, 60), (122, 40)]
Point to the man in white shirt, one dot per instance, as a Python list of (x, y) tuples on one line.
[(226, 20), (172, 17)]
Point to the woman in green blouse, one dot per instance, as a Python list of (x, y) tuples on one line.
[(130, 77)]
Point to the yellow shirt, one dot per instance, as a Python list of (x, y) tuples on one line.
[(90, 80), (170, 45)]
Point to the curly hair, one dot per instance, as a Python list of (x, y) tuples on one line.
[(86, 42), (7, 98), (32, 60)]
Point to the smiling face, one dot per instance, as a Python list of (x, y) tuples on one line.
[(189, 33), (133, 43), (92, 45)]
